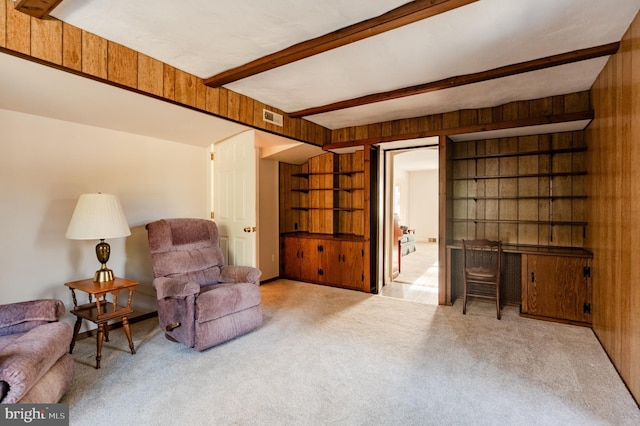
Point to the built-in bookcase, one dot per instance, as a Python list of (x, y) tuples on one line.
[(527, 190), (324, 195)]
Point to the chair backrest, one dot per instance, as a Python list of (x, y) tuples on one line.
[(187, 248), (482, 253)]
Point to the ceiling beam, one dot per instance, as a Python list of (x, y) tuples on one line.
[(474, 128), (37, 8), (461, 80), (396, 18)]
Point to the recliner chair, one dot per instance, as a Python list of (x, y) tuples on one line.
[(201, 301), (35, 366)]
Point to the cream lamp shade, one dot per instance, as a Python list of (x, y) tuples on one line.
[(98, 217)]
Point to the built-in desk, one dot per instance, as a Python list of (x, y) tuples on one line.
[(551, 283)]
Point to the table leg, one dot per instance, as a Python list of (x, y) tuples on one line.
[(127, 331), (76, 329), (99, 339)]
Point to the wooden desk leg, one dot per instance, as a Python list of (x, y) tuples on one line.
[(99, 339), (127, 331), (76, 329)]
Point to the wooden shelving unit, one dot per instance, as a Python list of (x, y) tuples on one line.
[(530, 193), (522, 190), (322, 221)]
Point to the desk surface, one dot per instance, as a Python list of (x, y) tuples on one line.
[(525, 249)]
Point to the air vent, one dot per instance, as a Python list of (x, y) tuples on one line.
[(272, 117)]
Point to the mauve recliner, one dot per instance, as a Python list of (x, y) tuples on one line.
[(201, 301)]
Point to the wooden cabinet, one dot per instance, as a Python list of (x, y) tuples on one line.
[(557, 287), (329, 261), (342, 263), (300, 258), (323, 221)]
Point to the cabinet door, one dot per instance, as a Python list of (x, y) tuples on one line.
[(342, 263), (290, 257), (352, 264), (330, 266), (300, 258), (556, 287)]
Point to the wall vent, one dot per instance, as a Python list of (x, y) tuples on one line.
[(272, 117)]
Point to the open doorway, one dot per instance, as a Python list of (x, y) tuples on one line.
[(411, 223)]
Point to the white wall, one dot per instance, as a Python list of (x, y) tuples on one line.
[(268, 225), (401, 181), (46, 164), (423, 203)]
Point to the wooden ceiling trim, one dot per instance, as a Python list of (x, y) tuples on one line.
[(448, 83), (37, 8), (396, 18), (475, 128)]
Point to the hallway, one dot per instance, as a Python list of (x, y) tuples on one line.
[(418, 278)]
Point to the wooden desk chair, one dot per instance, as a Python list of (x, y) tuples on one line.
[(481, 260)]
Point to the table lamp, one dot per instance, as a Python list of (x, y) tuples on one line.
[(98, 217)]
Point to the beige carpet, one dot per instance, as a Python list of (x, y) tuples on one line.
[(327, 356)]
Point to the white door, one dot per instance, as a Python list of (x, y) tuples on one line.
[(234, 197)]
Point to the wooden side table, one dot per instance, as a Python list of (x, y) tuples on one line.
[(101, 311)]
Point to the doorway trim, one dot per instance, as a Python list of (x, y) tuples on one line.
[(383, 190)]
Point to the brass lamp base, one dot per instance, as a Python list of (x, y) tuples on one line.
[(103, 250), (102, 275)]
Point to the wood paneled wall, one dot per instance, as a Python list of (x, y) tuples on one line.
[(69, 48), (613, 210), (450, 122)]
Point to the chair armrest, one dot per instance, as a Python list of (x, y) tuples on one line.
[(29, 357), (239, 274), (23, 316), (176, 288)]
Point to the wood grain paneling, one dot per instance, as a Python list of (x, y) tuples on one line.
[(94, 55), (201, 95), (223, 105), (613, 208), (122, 65), (513, 114), (3, 20), (46, 40), (18, 30), (185, 88), (72, 47), (169, 82), (213, 100), (150, 75)]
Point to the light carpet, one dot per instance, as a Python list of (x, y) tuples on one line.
[(327, 356), (420, 267)]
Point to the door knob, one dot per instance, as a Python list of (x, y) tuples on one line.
[(249, 229)]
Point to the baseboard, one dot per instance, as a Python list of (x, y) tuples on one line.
[(269, 280)]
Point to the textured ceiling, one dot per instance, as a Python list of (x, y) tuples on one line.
[(204, 38)]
